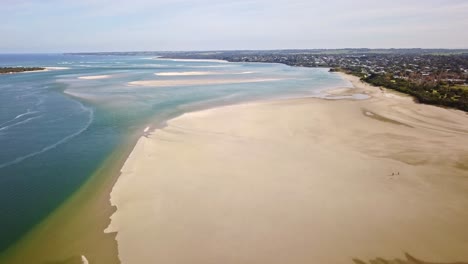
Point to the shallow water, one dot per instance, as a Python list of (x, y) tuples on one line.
[(56, 129)]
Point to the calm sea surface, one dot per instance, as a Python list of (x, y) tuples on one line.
[(56, 129)]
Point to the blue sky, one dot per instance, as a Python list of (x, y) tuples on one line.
[(122, 25)]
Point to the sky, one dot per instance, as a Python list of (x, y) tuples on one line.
[(159, 25)]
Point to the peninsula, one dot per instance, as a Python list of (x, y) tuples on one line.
[(339, 181), (6, 70)]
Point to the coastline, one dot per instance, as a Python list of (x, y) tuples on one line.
[(83, 212), (391, 152)]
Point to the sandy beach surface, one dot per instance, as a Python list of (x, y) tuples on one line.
[(179, 82), (298, 181)]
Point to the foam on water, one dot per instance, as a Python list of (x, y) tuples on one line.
[(28, 112), (19, 123), (54, 145)]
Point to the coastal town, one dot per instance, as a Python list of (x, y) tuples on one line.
[(439, 79), (420, 68)]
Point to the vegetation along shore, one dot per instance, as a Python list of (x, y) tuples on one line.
[(432, 76), (6, 70)]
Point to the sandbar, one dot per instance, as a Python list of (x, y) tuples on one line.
[(55, 68), (94, 77), (298, 181), (188, 82), (192, 60), (193, 73)]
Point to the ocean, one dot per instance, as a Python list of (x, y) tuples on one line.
[(57, 128)]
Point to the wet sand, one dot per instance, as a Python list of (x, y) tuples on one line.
[(298, 181), (75, 229)]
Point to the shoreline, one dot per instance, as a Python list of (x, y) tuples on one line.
[(393, 120), (86, 202), (85, 213)]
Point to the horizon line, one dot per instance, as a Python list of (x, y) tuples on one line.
[(224, 50)]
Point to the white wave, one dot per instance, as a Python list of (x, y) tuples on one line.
[(52, 146), (19, 123), (19, 116), (27, 113)]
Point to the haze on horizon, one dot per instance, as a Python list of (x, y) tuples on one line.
[(122, 25)]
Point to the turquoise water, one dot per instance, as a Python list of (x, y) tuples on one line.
[(56, 129)]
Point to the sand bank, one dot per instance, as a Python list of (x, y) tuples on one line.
[(198, 73), (46, 69), (192, 60), (198, 82), (298, 181), (193, 73), (55, 68), (94, 77)]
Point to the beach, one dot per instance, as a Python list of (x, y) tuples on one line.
[(60, 215), (298, 181)]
